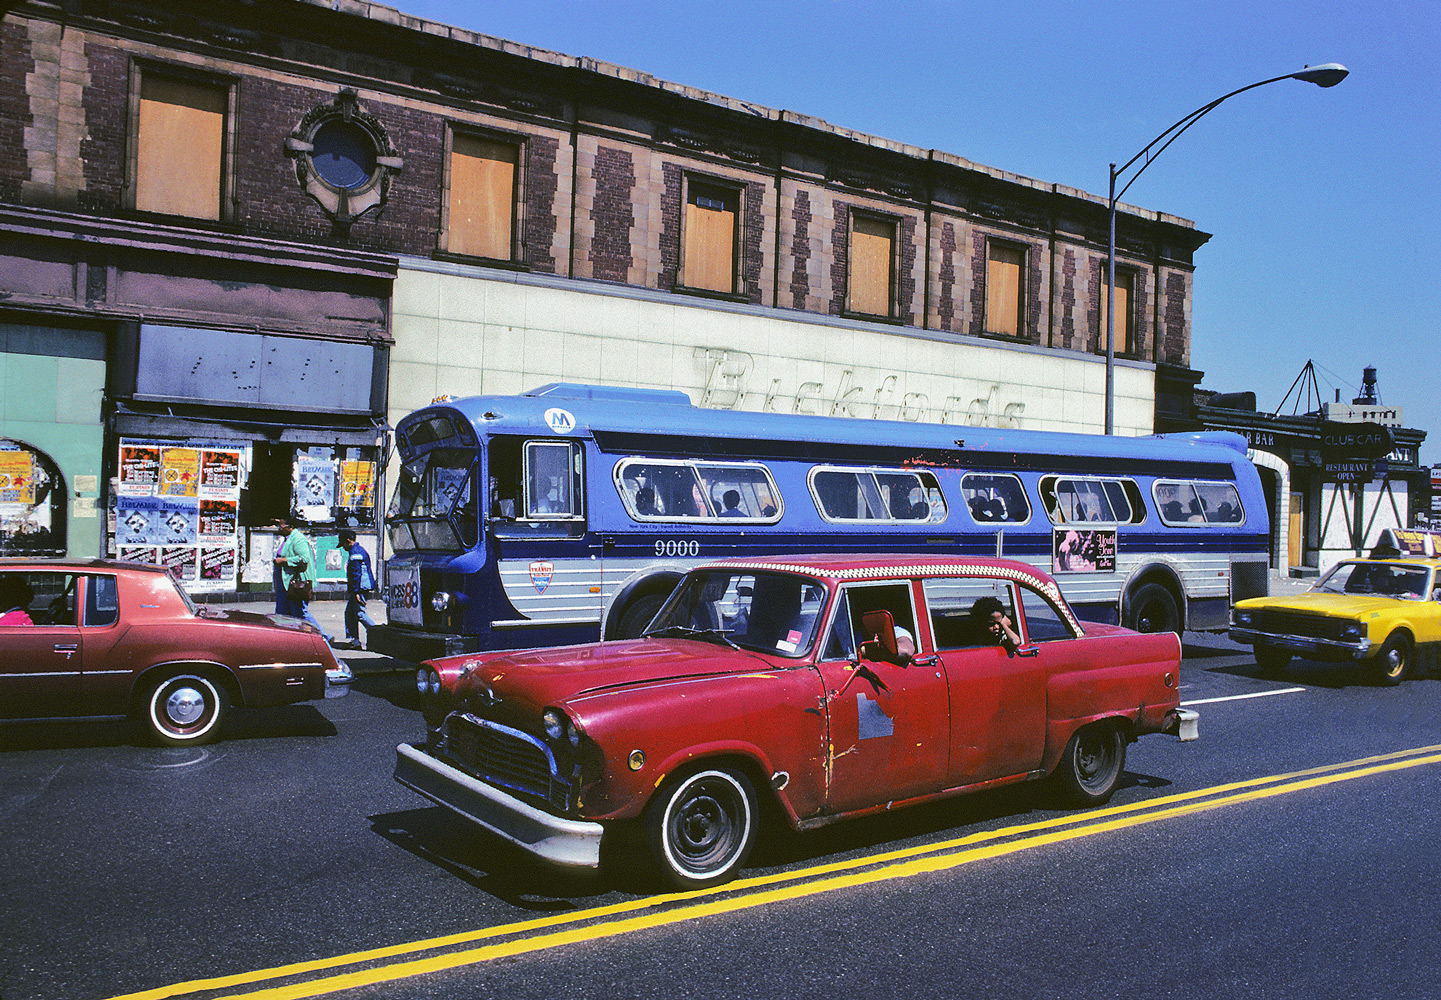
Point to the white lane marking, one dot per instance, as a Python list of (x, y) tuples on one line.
[(1239, 697)]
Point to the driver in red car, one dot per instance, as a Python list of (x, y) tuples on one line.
[(15, 598)]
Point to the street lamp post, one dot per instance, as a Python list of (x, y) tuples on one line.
[(1326, 75)]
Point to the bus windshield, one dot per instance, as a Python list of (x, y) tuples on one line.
[(434, 505)]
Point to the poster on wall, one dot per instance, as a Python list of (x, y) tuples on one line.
[(314, 486), (357, 484), (17, 476), (177, 505)]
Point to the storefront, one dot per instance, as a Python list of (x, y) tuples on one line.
[(222, 434)]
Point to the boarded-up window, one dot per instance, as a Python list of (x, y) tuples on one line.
[(1004, 267), (872, 245), (1125, 313), (710, 237), (180, 147), (482, 197)]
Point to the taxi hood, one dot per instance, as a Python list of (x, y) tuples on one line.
[(1329, 605), (560, 674)]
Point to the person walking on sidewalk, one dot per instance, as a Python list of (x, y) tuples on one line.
[(297, 571), (359, 585)]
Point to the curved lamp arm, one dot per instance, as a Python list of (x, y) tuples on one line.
[(1326, 75)]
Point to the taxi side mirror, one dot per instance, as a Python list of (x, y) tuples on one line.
[(882, 626)]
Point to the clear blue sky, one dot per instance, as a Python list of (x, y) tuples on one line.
[(1323, 203)]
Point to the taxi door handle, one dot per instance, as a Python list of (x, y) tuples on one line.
[(68, 648)]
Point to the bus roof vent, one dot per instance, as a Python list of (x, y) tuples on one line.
[(612, 393)]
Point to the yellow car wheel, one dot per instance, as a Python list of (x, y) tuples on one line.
[(1393, 662)]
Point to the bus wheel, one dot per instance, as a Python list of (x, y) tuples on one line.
[(637, 615), (1153, 609)]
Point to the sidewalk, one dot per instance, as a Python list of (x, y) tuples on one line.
[(331, 616)]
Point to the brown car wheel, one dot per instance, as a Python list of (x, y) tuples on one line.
[(184, 710)]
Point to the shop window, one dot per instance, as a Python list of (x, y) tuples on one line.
[(710, 227), (180, 146), (1125, 312), (32, 502), (481, 197), (1005, 289), (872, 258)]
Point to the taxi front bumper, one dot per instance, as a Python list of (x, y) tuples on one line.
[(1303, 645)]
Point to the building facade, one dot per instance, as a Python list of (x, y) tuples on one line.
[(240, 240)]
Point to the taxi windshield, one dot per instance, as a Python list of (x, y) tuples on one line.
[(766, 612), (1403, 581)]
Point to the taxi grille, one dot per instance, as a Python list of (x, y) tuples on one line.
[(1299, 624), (507, 758)]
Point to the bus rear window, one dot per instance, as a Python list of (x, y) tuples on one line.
[(1197, 502)]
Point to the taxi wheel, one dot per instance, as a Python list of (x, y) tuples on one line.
[(1091, 765), (1272, 661), (184, 710), (1393, 663), (701, 827)]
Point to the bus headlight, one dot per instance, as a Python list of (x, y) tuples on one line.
[(441, 600)]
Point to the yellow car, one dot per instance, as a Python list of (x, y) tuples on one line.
[(1384, 613)]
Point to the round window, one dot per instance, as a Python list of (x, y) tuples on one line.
[(344, 155)]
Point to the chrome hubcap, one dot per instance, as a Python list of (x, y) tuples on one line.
[(184, 706)]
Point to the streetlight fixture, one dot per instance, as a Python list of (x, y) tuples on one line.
[(1325, 75)]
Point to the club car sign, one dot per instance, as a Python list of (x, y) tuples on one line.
[(1349, 449)]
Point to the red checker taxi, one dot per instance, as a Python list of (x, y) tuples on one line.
[(833, 686), (103, 638)]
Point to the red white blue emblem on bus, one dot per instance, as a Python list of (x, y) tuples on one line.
[(541, 573)]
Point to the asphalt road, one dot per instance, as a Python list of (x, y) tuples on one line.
[(1288, 853)]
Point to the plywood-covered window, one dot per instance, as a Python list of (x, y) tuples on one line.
[(1005, 289), (872, 260), (1125, 312), (711, 215), (481, 206), (180, 146)]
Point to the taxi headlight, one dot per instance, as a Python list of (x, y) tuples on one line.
[(554, 722), (427, 682), (1353, 631), (1242, 617)]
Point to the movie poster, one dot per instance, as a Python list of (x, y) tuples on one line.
[(1084, 550)]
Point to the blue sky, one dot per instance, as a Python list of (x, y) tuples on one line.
[(1323, 204)]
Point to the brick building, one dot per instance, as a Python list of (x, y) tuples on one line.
[(269, 228)]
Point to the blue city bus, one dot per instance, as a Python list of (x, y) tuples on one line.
[(567, 514)]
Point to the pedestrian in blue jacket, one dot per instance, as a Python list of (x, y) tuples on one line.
[(359, 585)]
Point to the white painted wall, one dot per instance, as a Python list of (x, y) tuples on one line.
[(467, 331)]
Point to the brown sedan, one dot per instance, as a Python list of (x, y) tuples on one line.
[(101, 638)]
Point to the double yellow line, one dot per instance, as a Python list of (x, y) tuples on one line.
[(525, 937)]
